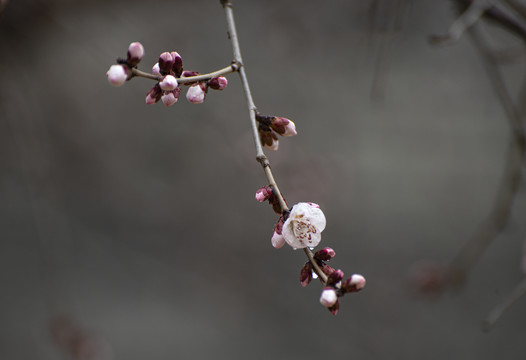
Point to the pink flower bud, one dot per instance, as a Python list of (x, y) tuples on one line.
[(290, 129), (355, 283), (328, 297), (335, 277), (135, 53), (358, 281), (263, 193), (283, 126), (277, 240), (156, 70), (117, 75), (218, 83), (166, 62), (170, 97), (168, 83), (154, 95), (195, 94), (177, 67), (324, 254)]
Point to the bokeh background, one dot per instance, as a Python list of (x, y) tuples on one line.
[(131, 231)]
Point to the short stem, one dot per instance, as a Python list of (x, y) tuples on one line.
[(226, 70), (139, 73), (317, 269)]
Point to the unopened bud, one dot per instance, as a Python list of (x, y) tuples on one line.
[(283, 126), (335, 277), (154, 95), (177, 67), (328, 297), (263, 193), (325, 254), (195, 94), (218, 83), (117, 75), (166, 62), (168, 83), (156, 70), (170, 97), (355, 283), (277, 240), (135, 53)]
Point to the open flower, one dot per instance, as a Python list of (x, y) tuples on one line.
[(304, 225)]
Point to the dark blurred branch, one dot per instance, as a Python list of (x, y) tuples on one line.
[(384, 53), (497, 312), (499, 215), (508, 14)]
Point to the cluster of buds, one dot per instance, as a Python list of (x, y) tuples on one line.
[(170, 75), (335, 287), (119, 73), (301, 227), (269, 127)]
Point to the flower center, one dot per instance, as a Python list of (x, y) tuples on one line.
[(303, 231)]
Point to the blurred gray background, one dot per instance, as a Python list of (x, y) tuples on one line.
[(138, 223)]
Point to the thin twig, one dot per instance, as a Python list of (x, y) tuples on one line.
[(468, 18), (498, 310), (226, 70), (260, 155)]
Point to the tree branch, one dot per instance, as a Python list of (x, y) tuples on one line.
[(226, 70), (497, 311), (252, 110)]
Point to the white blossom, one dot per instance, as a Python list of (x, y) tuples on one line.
[(304, 226)]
